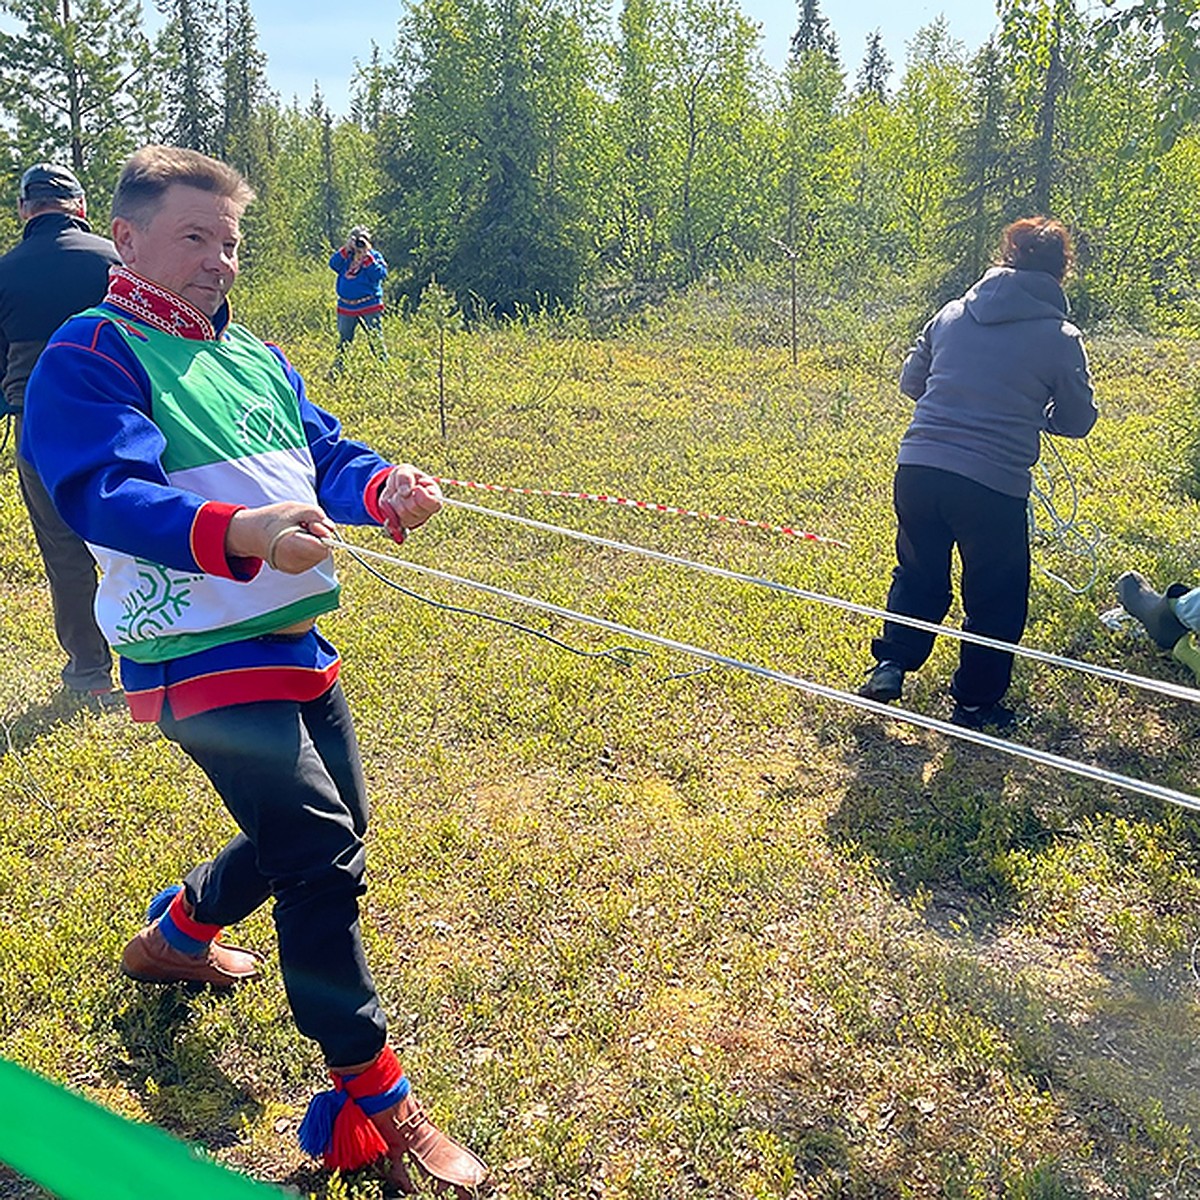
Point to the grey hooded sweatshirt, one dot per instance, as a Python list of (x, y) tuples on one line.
[(989, 372)]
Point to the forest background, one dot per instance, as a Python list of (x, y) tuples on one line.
[(562, 154)]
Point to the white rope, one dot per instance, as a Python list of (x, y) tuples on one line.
[(1064, 531), (1045, 758), (1164, 687)]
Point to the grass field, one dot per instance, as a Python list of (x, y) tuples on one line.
[(659, 930)]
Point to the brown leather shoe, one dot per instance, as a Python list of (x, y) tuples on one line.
[(152, 959), (408, 1131)]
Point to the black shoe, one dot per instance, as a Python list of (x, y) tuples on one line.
[(885, 681), (983, 716), (99, 699), (1152, 608)]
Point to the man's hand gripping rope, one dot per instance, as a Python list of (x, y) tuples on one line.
[(293, 537)]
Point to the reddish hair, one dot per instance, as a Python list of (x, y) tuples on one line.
[(1037, 244)]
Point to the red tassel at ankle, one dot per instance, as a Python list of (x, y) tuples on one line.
[(341, 1132), (356, 1142)]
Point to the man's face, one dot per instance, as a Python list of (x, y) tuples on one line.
[(189, 246)]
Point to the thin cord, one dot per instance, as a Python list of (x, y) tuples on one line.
[(35, 788), (1175, 690), (621, 656), (1044, 757)]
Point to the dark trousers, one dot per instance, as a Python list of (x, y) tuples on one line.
[(372, 324), (71, 572), (936, 510), (291, 778)]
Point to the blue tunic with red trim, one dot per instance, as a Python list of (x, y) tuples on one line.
[(359, 284), (140, 463)]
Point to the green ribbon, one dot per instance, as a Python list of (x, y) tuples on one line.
[(79, 1151)]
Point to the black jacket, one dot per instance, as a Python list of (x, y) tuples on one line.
[(59, 268)]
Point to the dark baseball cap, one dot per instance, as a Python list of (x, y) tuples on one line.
[(47, 181)]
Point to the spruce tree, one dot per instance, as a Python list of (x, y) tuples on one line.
[(813, 33), (875, 69), (69, 82), (189, 82), (243, 90), (985, 167)]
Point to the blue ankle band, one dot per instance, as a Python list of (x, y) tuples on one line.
[(179, 940), (376, 1104)]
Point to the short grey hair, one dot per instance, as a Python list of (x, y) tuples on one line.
[(150, 171)]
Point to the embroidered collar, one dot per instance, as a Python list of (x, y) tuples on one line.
[(163, 309)]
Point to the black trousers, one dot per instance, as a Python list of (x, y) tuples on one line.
[(936, 510), (291, 777), (71, 572)]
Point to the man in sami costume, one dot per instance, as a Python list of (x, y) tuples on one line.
[(187, 455)]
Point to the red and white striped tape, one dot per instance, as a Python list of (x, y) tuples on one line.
[(646, 505)]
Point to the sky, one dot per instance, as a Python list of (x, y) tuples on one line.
[(312, 41)]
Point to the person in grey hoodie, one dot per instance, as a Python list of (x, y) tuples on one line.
[(989, 373)]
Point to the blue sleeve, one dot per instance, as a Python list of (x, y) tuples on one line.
[(914, 375), (338, 261), (345, 468), (88, 432)]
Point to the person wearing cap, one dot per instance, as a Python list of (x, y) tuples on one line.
[(59, 268), (361, 270), (192, 460)]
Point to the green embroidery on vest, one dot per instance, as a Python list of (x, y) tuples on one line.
[(161, 595), (233, 432)]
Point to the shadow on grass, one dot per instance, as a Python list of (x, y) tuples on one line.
[(940, 814), (1133, 1064), (1112, 1041), (170, 1066), (20, 730), (934, 817)]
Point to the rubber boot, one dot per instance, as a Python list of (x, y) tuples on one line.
[(1152, 608)]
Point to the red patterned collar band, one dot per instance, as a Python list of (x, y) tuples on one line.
[(162, 309)]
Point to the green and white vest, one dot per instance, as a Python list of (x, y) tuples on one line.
[(233, 434)]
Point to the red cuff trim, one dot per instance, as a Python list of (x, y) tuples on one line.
[(381, 1076), (209, 528), (372, 492), (371, 497), (189, 925)]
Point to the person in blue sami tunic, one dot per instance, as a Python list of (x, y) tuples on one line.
[(188, 456)]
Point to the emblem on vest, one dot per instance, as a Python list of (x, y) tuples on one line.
[(160, 599)]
